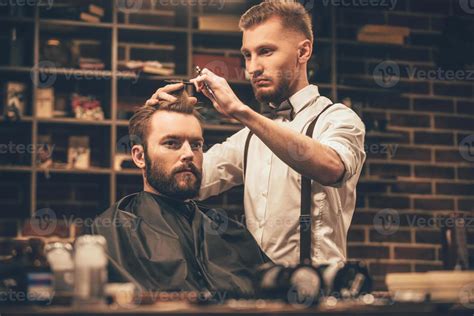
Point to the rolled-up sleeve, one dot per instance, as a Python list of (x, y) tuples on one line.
[(222, 165), (344, 132)]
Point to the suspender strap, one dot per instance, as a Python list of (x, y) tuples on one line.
[(246, 150), (246, 153), (305, 215)]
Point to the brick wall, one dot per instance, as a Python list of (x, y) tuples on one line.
[(416, 168)]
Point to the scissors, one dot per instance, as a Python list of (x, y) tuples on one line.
[(198, 71), (187, 82)]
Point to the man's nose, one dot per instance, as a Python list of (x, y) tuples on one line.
[(254, 67), (187, 153)]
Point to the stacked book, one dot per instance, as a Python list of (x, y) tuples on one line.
[(91, 64), (150, 67)]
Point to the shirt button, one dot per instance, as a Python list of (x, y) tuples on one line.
[(264, 194)]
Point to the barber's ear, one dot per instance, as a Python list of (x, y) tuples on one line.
[(305, 49), (138, 156)]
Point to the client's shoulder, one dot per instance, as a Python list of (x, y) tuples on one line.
[(125, 204)]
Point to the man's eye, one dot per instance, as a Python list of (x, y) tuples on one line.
[(172, 144), (246, 55), (197, 146), (265, 51)]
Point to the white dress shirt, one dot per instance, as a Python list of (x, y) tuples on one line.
[(272, 189)]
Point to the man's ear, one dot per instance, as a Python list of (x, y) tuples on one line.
[(138, 156), (305, 50)]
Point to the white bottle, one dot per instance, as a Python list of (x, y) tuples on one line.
[(59, 256), (90, 270)]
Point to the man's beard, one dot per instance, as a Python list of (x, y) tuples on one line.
[(281, 93), (167, 184)]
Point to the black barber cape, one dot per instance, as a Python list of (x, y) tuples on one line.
[(170, 245)]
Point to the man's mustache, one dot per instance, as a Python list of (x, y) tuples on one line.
[(191, 167)]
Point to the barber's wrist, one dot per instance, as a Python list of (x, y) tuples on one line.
[(242, 112)]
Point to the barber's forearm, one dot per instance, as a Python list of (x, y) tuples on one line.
[(305, 155)]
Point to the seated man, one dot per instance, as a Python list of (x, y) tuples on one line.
[(160, 237)]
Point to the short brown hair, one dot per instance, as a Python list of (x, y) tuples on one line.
[(292, 14), (139, 124)]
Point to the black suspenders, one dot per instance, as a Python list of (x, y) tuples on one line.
[(305, 214), (246, 151)]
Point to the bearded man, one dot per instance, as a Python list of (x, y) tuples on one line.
[(160, 238)]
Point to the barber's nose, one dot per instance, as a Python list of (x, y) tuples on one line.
[(187, 153), (254, 67)]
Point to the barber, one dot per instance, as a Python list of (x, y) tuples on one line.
[(300, 162)]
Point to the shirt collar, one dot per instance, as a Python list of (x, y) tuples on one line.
[(302, 97)]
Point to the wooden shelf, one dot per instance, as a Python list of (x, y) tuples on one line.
[(129, 172), (222, 51), (323, 85), (126, 74), (209, 32), (323, 40), (59, 22), (23, 119), (146, 76), (16, 19), (122, 123), (92, 170), (75, 71), (70, 120), (139, 27), (15, 69), (13, 168)]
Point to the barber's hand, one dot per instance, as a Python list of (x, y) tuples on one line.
[(223, 98), (163, 94)]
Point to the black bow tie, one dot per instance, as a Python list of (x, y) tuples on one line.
[(284, 110)]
